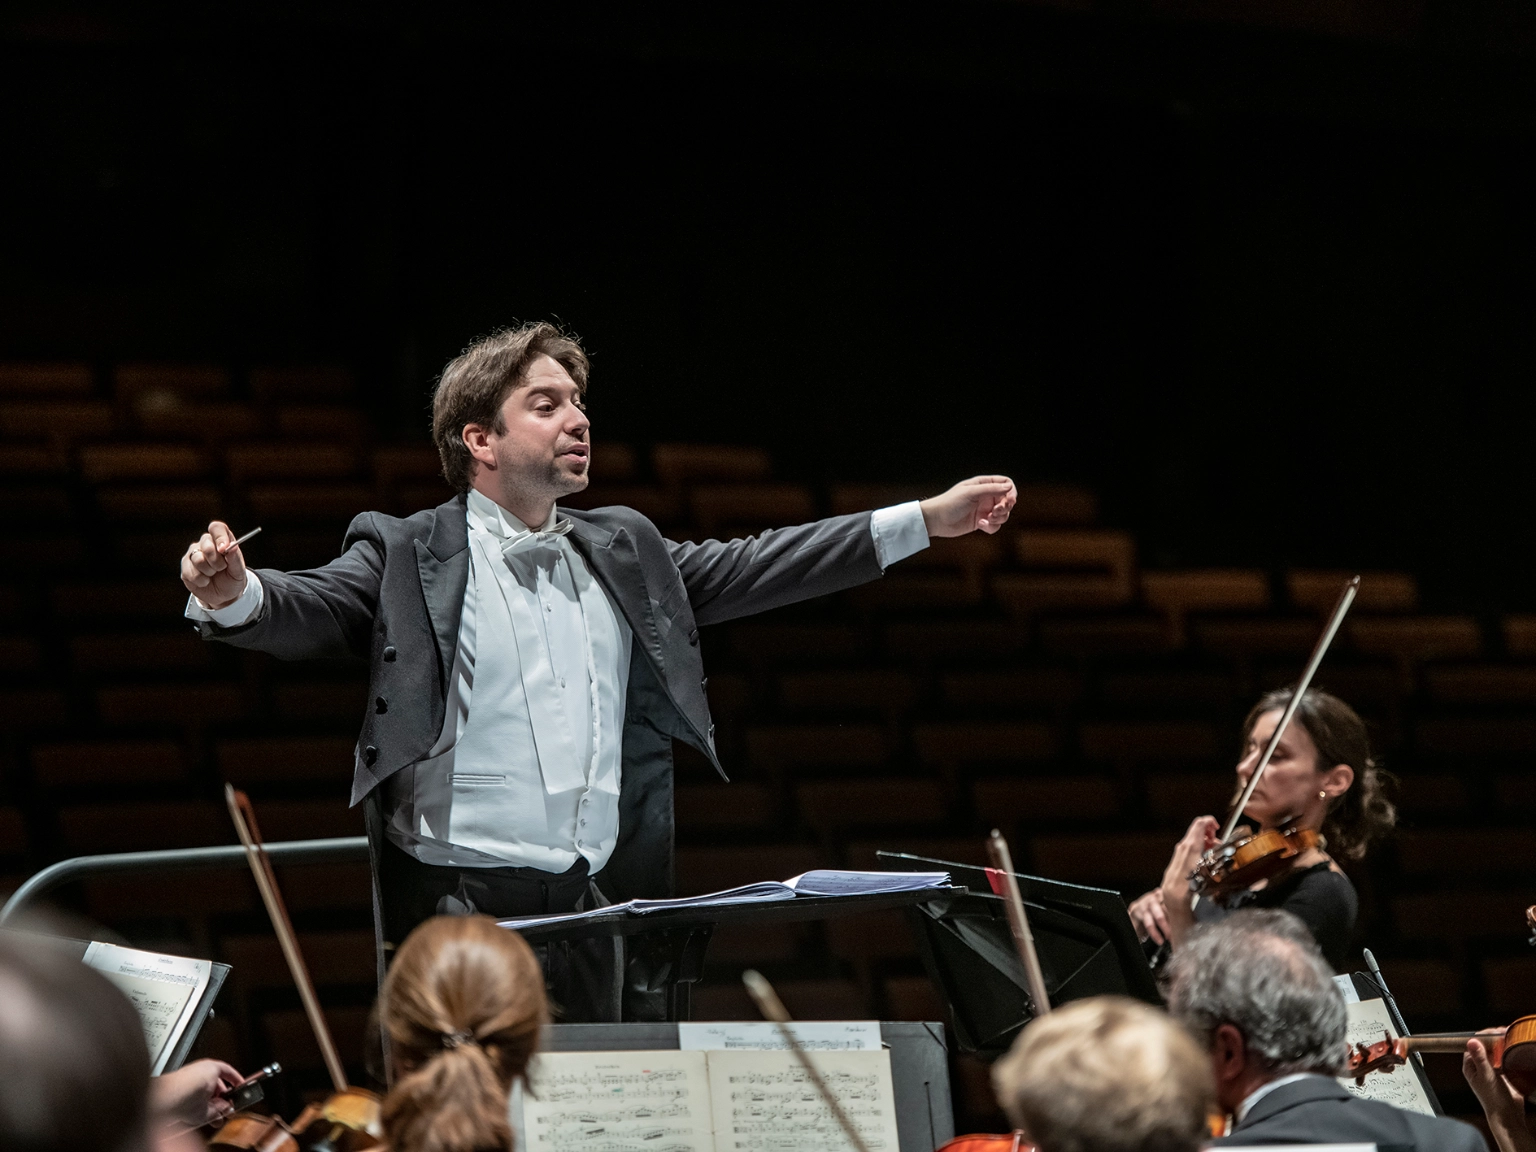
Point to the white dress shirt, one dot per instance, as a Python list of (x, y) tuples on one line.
[(530, 776)]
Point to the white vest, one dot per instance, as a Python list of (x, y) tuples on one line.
[(527, 769)]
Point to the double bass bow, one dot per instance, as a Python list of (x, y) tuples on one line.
[(1236, 862), (347, 1120)]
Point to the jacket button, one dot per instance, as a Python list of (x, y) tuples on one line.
[(381, 706), (693, 637), (370, 754), (389, 654)]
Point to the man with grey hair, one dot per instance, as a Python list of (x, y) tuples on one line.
[(1255, 990)]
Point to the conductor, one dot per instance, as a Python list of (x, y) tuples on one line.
[(530, 665)]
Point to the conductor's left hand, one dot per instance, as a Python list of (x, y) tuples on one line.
[(192, 1094), (980, 502)]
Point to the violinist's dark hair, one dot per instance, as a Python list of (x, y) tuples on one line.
[(477, 382), (1363, 813), (74, 1068), (464, 1005)]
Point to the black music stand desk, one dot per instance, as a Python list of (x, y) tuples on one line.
[(1084, 937), (664, 950)]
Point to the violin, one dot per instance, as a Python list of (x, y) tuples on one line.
[(346, 1121), (1235, 864), (1511, 1050)]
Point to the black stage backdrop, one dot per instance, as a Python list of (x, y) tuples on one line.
[(1267, 289)]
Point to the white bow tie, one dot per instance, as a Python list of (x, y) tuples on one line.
[(520, 541)]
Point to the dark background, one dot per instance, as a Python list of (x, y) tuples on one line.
[(1265, 286)]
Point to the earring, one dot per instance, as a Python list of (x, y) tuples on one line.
[(1322, 795)]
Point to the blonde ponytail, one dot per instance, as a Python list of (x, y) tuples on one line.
[(464, 1004)]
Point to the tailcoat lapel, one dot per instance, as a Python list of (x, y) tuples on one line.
[(443, 564), (612, 557)]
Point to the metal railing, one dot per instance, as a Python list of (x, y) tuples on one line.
[(340, 850)]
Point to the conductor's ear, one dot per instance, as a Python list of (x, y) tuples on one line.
[(477, 438)]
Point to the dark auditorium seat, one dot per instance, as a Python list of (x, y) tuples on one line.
[(1130, 862), (723, 510), (104, 463), (133, 826), (1018, 691), (832, 807), (109, 763), (194, 707), (1012, 802), (715, 869), (789, 749), (52, 380), (677, 465), (320, 760), (884, 692), (1177, 595), (1317, 591), (117, 652), (952, 747), (720, 806), (331, 957)]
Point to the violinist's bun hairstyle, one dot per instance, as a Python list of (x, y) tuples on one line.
[(1106, 1074), (1364, 813), (464, 1005)]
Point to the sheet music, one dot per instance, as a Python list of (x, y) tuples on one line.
[(817, 1035), (1368, 1019), (765, 1102), (164, 990), (618, 1102)]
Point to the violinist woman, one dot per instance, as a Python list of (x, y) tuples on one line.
[(463, 1005), (1323, 777)]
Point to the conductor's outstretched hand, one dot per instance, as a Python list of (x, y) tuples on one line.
[(980, 502), (213, 568)]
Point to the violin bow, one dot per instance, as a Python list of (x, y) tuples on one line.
[(244, 816), (1346, 598), (1018, 921), (772, 1008)]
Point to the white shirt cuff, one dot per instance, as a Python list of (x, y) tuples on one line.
[(899, 532), (244, 609)]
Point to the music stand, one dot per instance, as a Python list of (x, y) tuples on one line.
[(1084, 936)]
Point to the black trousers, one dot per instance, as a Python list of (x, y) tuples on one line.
[(583, 976)]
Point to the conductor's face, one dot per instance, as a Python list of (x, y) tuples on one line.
[(544, 450)]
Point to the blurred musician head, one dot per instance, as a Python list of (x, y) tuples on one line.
[(1107, 1074), (464, 1006), (1322, 772), (74, 1068), (1255, 990)]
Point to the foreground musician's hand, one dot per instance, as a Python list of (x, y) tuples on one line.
[(193, 1094), (1502, 1102), (980, 502), (212, 570)]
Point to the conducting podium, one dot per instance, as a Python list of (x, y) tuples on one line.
[(666, 940)]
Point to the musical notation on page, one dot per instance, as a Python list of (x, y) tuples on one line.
[(765, 1101), (1400, 1087), (617, 1101)]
